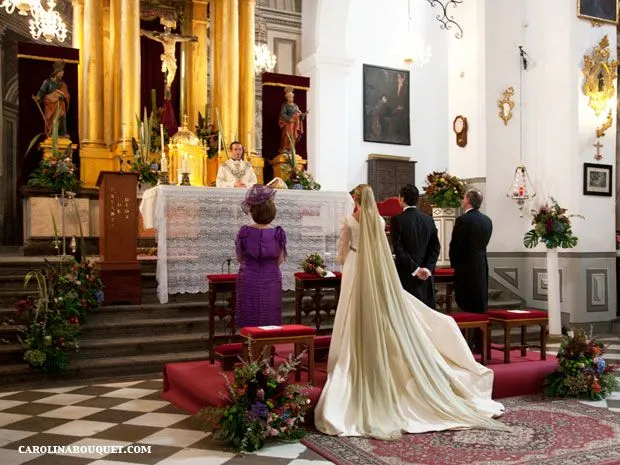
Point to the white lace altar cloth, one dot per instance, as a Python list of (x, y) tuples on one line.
[(197, 227)]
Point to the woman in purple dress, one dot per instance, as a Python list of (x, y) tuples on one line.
[(261, 249)]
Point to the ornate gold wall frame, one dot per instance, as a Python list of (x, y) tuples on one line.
[(506, 104), (600, 132), (599, 74)]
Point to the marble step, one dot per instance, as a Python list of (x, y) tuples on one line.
[(108, 367)]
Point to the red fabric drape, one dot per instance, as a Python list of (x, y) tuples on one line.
[(273, 98)]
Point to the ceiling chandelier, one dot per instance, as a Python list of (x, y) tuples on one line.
[(23, 6), (417, 53), (48, 23), (264, 60)]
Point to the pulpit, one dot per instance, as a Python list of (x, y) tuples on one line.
[(118, 265)]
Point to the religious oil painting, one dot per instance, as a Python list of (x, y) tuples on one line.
[(605, 11), (386, 105), (597, 179)]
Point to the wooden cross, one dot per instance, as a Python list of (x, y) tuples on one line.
[(598, 155)]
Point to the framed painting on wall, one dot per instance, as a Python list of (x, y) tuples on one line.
[(597, 179), (605, 11), (386, 105)]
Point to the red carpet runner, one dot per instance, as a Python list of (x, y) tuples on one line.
[(194, 385)]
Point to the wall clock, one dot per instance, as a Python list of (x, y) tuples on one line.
[(460, 129)]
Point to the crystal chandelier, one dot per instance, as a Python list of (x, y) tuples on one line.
[(417, 54), (23, 6), (264, 60), (48, 23)]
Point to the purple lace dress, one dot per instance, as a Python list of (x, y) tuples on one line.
[(259, 280)]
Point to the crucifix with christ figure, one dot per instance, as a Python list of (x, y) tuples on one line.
[(168, 58)]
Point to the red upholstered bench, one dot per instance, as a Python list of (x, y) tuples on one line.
[(228, 354), (507, 319), (445, 276), (257, 337), (315, 284), (219, 284), (466, 320)]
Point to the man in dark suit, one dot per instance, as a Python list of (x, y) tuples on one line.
[(468, 255), (416, 246)]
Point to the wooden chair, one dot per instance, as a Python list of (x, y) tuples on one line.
[(312, 284), (257, 338), (465, 320), (227, 353), (508, 319)]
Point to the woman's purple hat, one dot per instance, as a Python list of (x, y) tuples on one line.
[(257, 195)]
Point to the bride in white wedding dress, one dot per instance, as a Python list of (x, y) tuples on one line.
[(395, 365)]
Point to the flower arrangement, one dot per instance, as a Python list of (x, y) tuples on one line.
[(313, 263), (303, 179), (583, 371), (551, 226), (444, 190), (57, 172), (261, 406), (148, 172), (208, 134), (67, 293), (298, 178)]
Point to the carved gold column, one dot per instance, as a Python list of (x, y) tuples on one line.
[(108, 97), (215, 19), (247, 95), (196, 60), (229, 70), (94, 155), (129, 98), (78, 42)]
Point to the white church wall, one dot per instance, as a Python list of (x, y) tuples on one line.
[(376, 36), (338, 38), (466, 86), (558, 133)]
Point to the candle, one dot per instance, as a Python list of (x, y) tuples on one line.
[(161, 131), (164, 165), (124, 138), (185, 163)]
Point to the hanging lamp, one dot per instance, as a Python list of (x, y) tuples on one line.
[(521, 189)]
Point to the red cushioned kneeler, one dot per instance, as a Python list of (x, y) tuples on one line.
[(302, 275), (257, 338), (507, 319), (465, 320)]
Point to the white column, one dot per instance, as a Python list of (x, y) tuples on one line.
[(328, 120)]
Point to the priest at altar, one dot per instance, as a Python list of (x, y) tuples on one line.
[(236, 172)]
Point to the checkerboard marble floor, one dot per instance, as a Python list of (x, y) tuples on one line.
[(131, 413), (123, 414)]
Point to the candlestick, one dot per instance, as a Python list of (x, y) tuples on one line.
[(161, 131), (164, 164)]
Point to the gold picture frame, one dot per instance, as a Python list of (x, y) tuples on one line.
[(598, 11), (599, 74), (506, 104)]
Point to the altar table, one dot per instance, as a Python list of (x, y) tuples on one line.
[(197, 226)]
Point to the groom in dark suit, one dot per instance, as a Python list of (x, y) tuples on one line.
[(468, 255), (416, 246)]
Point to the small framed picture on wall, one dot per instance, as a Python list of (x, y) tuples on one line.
[(605, 11), (597, 179)]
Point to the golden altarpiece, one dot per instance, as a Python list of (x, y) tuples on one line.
[(108, 36)]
